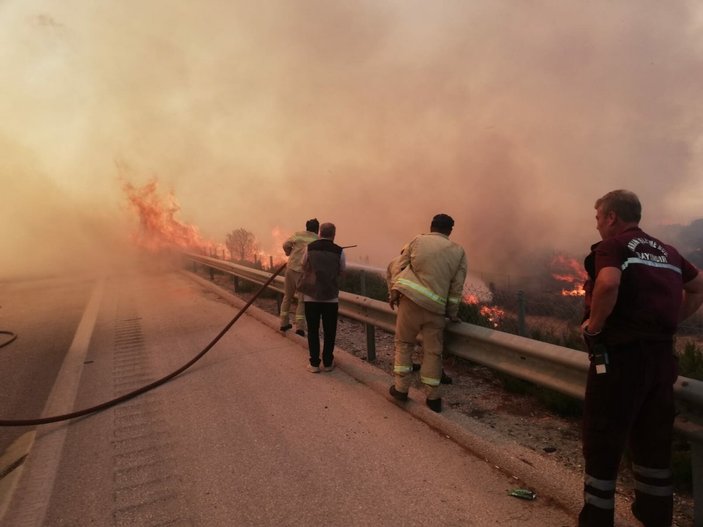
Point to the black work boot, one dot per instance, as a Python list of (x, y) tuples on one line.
[(435, 404), (396, 394)]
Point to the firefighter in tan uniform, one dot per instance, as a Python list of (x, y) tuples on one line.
[(426, 283), (294, 247)]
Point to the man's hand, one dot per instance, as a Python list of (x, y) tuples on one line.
[(588, 330), (591, 338), (393, 298)]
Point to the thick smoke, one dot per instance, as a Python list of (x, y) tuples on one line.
[(513, 117)]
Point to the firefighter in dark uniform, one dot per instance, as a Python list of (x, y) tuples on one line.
[(637, 292)]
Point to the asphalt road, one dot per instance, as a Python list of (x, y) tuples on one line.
[(44, 314), (245, 437)]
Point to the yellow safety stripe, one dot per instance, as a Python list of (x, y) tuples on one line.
[(429, 381), (402, 369), (454, 299), (423, 291)]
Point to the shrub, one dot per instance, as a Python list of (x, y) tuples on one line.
[(691, 361), (556, 402), (374, 284), (681, 465), (568, 337)]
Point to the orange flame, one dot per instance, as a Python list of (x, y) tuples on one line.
[(276, 255), (494, 314), (471, 298), (577, 291), (159, 228), (566, 269)]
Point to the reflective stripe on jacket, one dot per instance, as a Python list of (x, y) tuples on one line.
[(295, 248), (431, 271)]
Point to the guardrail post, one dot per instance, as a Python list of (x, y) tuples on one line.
[(697, 479), (370, 343), (370, 329), (521, 313)]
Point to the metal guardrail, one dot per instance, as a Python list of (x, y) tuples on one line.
[(555, 367)]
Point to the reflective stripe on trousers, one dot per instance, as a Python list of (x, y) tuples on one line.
[(599, 492), (411, 321), (653, 481), (288, 296), (598, 502)]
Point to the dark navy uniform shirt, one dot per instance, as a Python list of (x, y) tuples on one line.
[(651, 285)]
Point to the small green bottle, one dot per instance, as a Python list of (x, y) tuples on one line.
[(524, 494)]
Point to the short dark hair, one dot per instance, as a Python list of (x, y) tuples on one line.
[(327, 230), (624, 203), (442, 223), (312, 225)]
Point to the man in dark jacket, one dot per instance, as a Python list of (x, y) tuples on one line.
[(323, 262), (638, 290)]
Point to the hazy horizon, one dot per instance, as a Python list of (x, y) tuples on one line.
[(511, 117)]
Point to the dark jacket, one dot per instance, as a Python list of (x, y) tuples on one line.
[(320, 278)]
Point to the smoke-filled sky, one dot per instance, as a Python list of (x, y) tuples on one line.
[(513, 117)]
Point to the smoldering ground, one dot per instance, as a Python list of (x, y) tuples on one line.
[(513, 117)]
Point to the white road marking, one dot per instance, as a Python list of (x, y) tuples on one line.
[(34, 493)]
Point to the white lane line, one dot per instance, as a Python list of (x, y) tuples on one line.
[(32, 498)]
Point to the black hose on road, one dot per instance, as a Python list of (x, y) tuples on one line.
[(148, 387)]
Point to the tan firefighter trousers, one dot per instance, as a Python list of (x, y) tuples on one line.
[(288, 295), (411, 321)]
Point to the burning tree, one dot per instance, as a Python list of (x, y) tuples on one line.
[(242, 244)]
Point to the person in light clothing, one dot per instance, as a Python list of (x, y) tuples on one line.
[(426, 284), (294, 247)]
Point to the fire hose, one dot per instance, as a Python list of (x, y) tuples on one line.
[(148, 387)]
